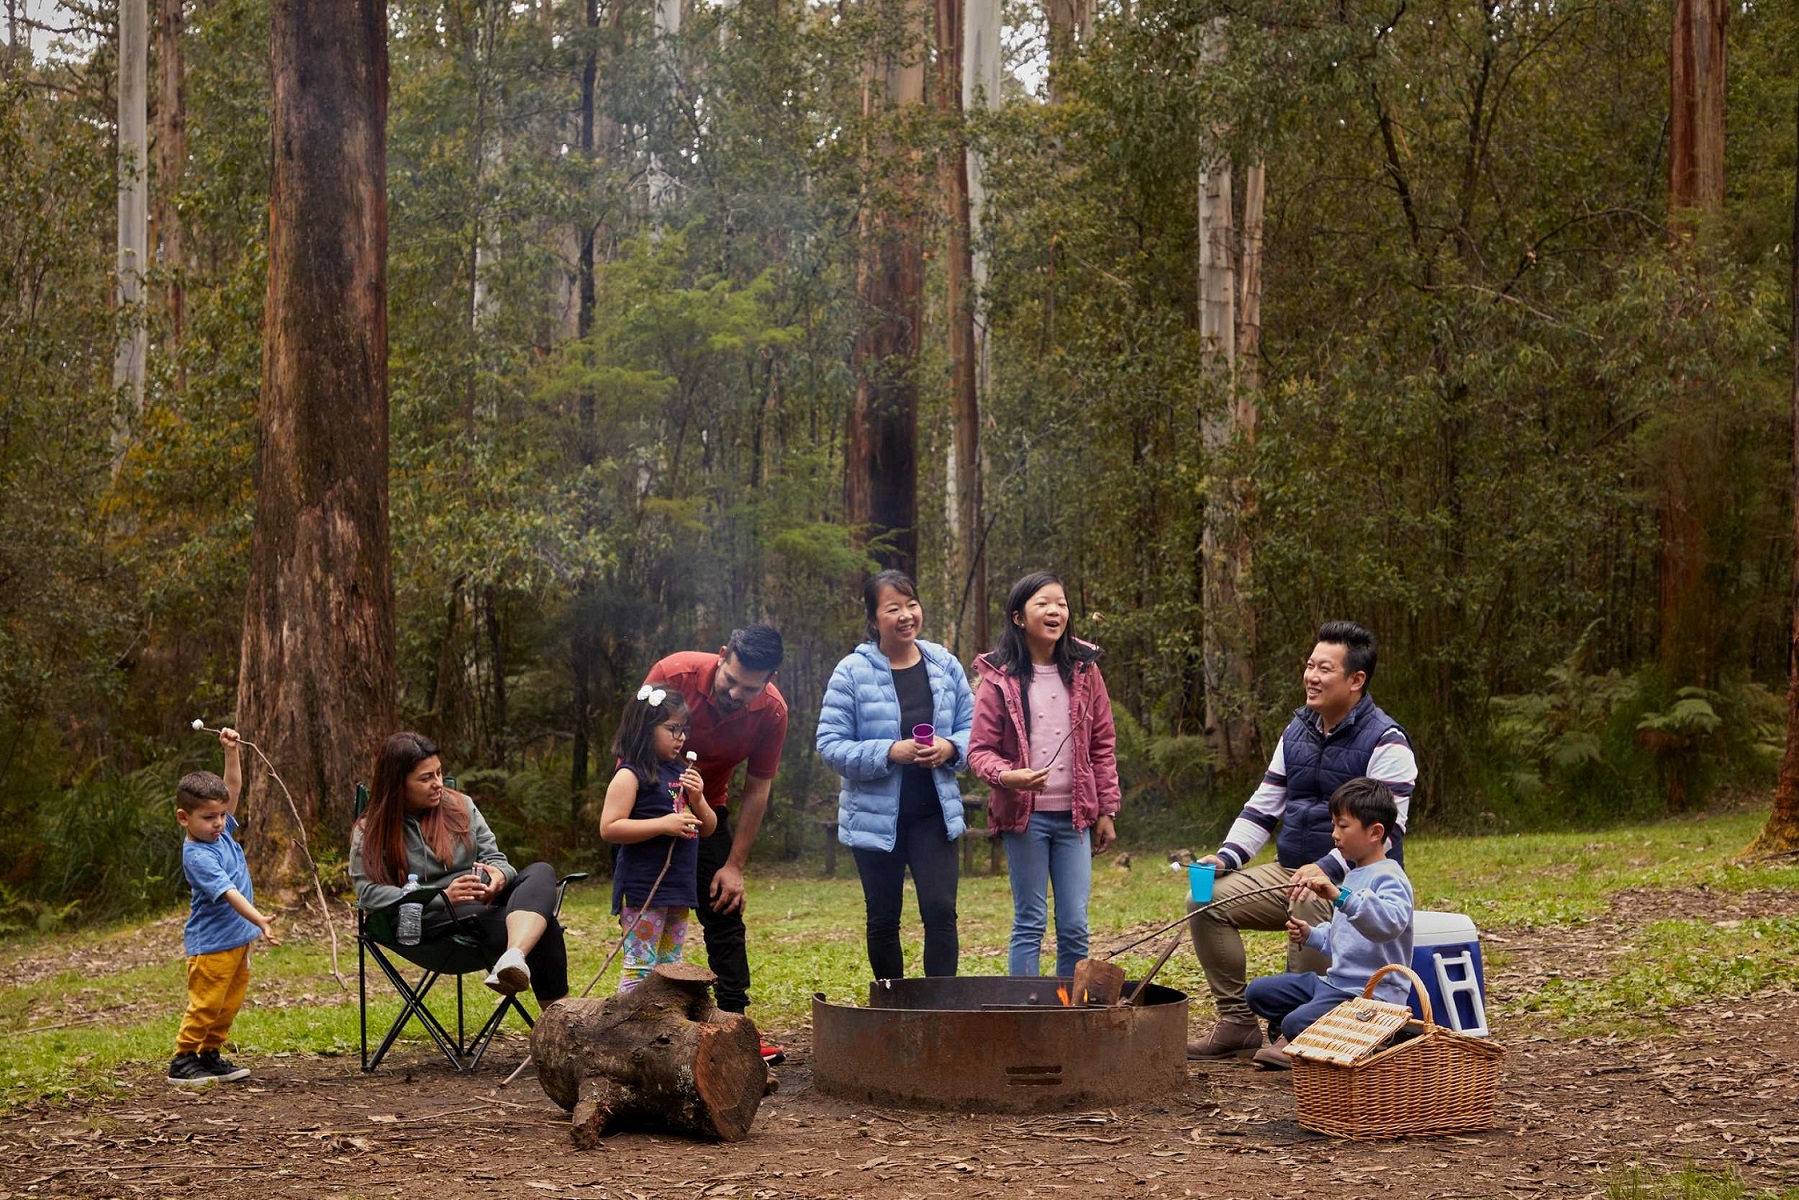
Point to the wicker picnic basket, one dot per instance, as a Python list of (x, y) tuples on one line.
[(1346, 1083)]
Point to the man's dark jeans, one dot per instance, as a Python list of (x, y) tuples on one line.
[(726, 952)]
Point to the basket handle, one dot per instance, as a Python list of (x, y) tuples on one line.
[(1418, 988)]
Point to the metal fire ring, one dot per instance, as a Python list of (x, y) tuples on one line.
[(997, 1044)]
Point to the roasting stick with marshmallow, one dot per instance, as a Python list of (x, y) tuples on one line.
[(667, 859)]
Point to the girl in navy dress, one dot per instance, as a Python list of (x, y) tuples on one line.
[(655, 813)]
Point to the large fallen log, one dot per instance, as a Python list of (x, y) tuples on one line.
[(659, 1057)]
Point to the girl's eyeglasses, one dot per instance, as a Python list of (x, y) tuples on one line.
[(679, 731)]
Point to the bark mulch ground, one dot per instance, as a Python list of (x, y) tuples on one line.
[(1717, 1088)]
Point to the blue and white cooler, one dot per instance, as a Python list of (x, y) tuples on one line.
[(1446, 955)]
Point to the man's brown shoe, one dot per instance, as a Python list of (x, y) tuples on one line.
[(1227, 1040), (1274, 1057)]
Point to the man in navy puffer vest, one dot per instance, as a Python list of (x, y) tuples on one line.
[(1338, 735)]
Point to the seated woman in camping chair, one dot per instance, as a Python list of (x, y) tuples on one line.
[(416, 826)]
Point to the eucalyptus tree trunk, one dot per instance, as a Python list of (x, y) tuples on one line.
[(1781, 834), (881, 445), (171, 162), (316, 676), (967, 574), (1227, 643), (1696, 105), (584, 642), (1067, 22), (134, 233), (1686, 628)]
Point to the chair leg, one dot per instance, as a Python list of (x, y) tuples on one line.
[(412, 999)]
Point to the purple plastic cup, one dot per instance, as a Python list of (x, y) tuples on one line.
[(924, 735)]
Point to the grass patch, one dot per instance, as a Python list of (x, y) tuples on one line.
[(1690, 1183), (107, 1000)]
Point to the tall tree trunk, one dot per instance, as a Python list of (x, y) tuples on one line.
[(1066, 21), (1695, 187), (1228, 679), (967, 594), (316, 677), (584, 646), (134, 234), (1781, 834), (171, 162), (881, 446), (1696, 104)]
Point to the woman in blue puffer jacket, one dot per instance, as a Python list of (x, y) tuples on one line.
[(900, 806)]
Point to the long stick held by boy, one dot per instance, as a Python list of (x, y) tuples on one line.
[(221, 924)]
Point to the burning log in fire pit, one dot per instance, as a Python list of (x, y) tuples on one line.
[(660, 1056), (998, 1044)]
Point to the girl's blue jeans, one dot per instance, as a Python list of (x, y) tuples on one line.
[(1048, 855)]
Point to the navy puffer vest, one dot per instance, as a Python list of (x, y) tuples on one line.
[(1317, 765)]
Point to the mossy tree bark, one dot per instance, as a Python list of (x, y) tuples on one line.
[(316, 676), (1781, 834)]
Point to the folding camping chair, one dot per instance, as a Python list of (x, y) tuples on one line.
[(456, 953)]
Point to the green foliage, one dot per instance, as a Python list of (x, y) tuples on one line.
[(1493, 399), (111, 846)]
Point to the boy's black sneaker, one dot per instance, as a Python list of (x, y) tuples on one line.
[(223, 1070), (187, 1070)]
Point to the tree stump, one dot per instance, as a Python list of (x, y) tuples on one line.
[(660, 1056)]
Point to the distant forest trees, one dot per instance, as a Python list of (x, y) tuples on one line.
[(1468, 321)]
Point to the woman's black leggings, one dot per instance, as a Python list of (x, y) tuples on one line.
[(921, 843), (532, 890)]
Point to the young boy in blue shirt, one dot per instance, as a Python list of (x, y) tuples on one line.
[(221, 924), (1371, 928)]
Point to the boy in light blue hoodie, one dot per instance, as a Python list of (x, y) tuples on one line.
[(1371, 928)]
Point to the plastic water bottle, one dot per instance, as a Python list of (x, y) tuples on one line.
[(412, 916)]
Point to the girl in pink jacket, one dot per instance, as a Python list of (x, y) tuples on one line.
[(1043, 740)]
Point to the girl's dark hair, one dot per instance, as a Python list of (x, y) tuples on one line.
[(635, 741), (384, 824), (899, 581), (1012, 652)]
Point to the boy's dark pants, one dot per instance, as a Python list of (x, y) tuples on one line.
[(1295, 999)]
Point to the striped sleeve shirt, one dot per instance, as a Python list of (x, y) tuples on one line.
[(1392, 763)]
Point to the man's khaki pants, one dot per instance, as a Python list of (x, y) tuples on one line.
[(1219, 944)]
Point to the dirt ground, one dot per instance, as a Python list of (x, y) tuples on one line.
[(1718, 1089)]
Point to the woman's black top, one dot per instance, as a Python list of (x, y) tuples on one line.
[(918, 791)]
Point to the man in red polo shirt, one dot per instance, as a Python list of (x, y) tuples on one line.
[(735, 714)]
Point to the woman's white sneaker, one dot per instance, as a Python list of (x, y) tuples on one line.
[(510, 974)]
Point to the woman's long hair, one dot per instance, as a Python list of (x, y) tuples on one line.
[(1012, 652), (635, 741), (384, 824)]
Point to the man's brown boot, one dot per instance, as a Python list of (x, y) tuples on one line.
[(1274, 1057), (1227, 1040)]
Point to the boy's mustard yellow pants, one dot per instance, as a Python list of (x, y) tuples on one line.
[(215, 991)]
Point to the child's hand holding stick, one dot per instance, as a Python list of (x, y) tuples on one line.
[(1298, 930)]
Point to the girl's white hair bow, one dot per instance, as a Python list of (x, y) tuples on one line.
[(654, 695)]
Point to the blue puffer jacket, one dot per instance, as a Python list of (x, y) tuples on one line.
[(859, 723)]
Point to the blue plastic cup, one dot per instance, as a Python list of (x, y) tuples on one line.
[(1199, 882)]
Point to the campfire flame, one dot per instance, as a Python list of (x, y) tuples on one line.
[(1064, 997)]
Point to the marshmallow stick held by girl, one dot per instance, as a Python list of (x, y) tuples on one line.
[(1043, 740), (655, 812)]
